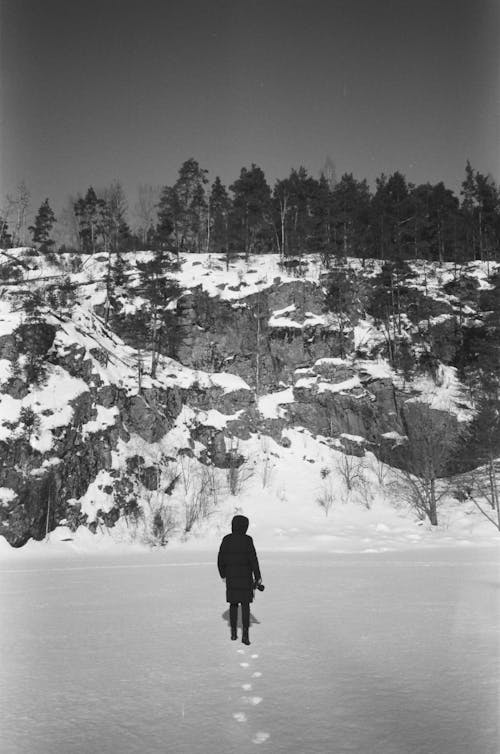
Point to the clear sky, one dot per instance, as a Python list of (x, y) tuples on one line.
[(129, 89)]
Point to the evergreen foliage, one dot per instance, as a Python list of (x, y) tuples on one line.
[(299, 215), (5, 236), (41, 230)]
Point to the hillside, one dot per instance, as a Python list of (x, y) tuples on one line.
[(145, 400)]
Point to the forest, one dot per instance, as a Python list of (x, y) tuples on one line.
[(299, 215)]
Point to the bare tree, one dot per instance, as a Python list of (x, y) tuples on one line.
[(329, 172), (481, 487), (146, 209), (432, 437), (326, 497), (239, 470), (201, 490), (267, 465), (17, 207), (351, 470), (66, 232)]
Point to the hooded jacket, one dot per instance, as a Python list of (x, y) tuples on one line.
[(238, 563)]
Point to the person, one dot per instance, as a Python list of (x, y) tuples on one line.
[(239, 566)]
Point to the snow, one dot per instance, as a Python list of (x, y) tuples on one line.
[(96, 496), (6, 495), (354, 438), (269, 404), (106, 417), (446, 393), (240, 278), (284, 322), (338, 387), (9, 320), (10, 409), (228, 382), (51, 402), (5, 370), (374, 653), (215, 419)]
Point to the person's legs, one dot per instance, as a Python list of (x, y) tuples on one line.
[(233, 618), (245, 617)]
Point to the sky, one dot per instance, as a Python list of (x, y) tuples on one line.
[(130, 89)]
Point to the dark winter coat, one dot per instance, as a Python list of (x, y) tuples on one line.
[(238, 563)]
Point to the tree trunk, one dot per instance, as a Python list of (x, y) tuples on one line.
[(433, 504)]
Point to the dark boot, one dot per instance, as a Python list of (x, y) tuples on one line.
[(244, 637), (233, 619)]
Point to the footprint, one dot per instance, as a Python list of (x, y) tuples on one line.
[(257, 674), (254, 657), (240, 717), (247, 687), (260, 737), (241, 651), (244, 664), (254, 700)]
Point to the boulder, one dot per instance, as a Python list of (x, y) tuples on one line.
[(144, 419), (35, 338)]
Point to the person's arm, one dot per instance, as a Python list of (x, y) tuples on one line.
[(254, 562), (221, 565)]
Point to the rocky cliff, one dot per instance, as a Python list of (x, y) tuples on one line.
[(92, 434)]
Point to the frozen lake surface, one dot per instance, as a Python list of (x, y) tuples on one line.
[(393, 653)]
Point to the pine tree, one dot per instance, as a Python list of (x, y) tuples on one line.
[(158, 287), (391, 217), (218, 225), (251, 224), (321, 220), (91, 216), (41, 230), (350, 213), (185, 206)]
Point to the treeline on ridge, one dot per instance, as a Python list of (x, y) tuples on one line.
[(299, 215)]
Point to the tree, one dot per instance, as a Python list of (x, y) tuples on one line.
[(391, 215), (42, 228), (219, 206), (169, 223), (481, 213), (5, 236), (432, 438), (185, 206), (115, 230), (90, 212), (341, 300), (19, 205), (146, 210), (68, 226), (483, 445), (443, 223), (281, 200), (350, 216), (159, 289), (251, 213), (388, 301), (329, 173), (322, 219)]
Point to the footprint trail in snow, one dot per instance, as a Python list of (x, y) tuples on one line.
[(260, 736)]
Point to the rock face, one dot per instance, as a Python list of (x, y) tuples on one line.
[(241, 338), (333, 399), (281, 336)]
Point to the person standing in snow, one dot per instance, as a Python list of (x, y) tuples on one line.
[(239, 566)]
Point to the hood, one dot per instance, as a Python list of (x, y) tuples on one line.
[(239, 524)]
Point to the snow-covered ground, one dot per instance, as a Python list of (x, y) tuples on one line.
[(387, 653)]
